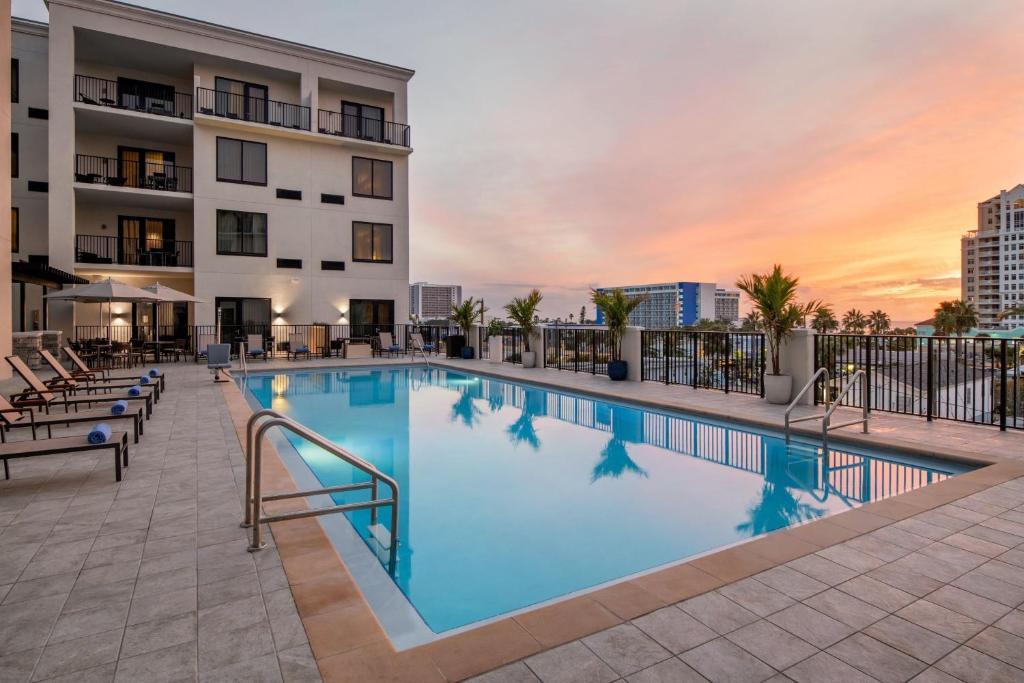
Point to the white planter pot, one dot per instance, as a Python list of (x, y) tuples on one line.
[(529, 359), (778, 388), (495, 349)]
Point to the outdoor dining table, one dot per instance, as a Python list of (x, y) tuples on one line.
[(156, 347)]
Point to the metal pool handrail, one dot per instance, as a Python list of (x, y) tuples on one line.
[(254, 497), (800, 395), (826, 422)]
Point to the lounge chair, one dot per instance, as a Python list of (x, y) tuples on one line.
[(254, 347), (13, 418), (42, 396), (64, 378), (218, 358), (418, 345), (83, 371), (297, 346), (118, 442), (388, 345)]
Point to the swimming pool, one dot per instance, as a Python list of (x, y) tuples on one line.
[(513, 495)]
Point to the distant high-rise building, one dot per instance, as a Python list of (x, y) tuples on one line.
[(669, 304), (992, 260), (432, 302), (727, 305)]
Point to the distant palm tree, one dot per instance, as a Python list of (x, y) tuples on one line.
[(824, 320), (854, 321), (1016, 310), (955, 317), (879, 321), (751, 322)]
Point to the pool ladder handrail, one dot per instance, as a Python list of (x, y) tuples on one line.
[(830, 405), (254, 496)]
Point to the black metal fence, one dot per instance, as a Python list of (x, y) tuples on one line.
[(129, 251), (968, 379), (248, 108), (133, 96), (148, 175), (512, 345), (363, 128), (578, 349), (727, 361)]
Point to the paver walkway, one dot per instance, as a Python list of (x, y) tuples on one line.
[(149, 579)]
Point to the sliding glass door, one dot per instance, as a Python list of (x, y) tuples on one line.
[(241, 100)]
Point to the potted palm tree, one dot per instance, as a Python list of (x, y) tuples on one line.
[(774, 297), (616, 307), (464, 315), (523, 312)]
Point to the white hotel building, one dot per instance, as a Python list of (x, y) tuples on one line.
[(992, 260), (268, 178)]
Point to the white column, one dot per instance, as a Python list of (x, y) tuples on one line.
[(61, 130), (632, 352), (473, 339), (537, 344), (796, 358)]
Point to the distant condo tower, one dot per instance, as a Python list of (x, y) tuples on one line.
[(677, 304), (992, 258), (431, 302)]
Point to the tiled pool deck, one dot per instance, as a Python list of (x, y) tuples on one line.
[(149, 579)]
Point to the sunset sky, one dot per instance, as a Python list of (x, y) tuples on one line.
[(571, 144)]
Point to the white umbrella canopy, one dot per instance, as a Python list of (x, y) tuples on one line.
[(104, 291), (170, 295)]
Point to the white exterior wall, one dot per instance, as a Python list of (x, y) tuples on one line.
[(296, 160)]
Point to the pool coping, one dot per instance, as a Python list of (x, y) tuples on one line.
[(349, 644)]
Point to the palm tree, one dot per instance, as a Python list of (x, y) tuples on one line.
[(879, 321), (1016, 310), (854, 321), (955, 317), (465, 411), (615, 462), (616, 307), (523, 311), (774, 297), (776, 508), (824, 320), (464, 314), (751, 322)]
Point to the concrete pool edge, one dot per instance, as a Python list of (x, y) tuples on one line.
[(345, 651)]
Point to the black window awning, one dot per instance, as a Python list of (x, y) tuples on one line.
[(43, 275)]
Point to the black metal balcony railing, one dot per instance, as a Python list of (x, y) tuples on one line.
[(363, 128), (149, 175), (133, 97), (256, 109), (132, 251)]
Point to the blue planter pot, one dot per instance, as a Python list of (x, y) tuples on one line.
[(617, 370), (467, 352)]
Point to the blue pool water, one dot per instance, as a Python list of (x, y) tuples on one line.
[(513, 495)]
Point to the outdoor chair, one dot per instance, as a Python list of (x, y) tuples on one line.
[(83, 371), (218, 358), (388, 345), (254, 347), (418, 345), (203, 342), (65, 379), (42, 396), (15, 418), (118, 443), (297, 346)]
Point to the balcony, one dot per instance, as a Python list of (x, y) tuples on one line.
[(134, 97), (129, 251), (363, 128), (159, 176), (253, 109)]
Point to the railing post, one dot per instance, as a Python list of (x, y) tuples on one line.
[(764, 363), (870, 339), (728, 359), (667, 353), (693, 355), (1002, 385), (931, 380)]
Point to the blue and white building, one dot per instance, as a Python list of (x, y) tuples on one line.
[(669, 304)]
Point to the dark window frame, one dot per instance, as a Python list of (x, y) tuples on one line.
[(266, 236), (373, 237), (15, 80), (241, 161), (373, 172), (15, 230), (15, 163)]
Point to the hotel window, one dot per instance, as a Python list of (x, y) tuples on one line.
[(1018, 219), (371, 178), (15, 81), (14, 155), (15, 247), (241, 161), (362, 121), (240, 233), (371, 242)]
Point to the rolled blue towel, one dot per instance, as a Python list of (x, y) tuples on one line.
[(394, 347), (302, 349), (100, 433), (135, 391), (119, 407), (153, 372), (144, 379)]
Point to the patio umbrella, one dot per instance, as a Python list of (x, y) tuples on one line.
[(105, 291), (167, 294)]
